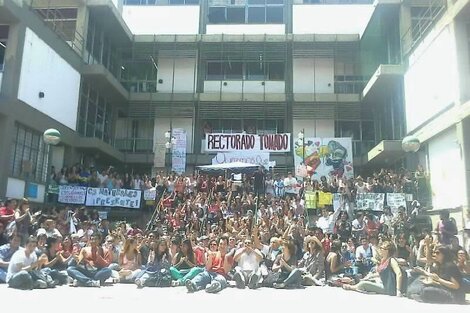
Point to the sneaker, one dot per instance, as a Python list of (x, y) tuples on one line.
[(190, 286), (279, 285), (95, 283), (214, 287), (253, 282), (139, 283), (175, 283), (239, 280), (40, 284)]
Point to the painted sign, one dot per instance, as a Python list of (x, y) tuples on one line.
[(258, 158), (178, 154)]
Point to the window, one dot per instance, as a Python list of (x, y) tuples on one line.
[(217, 15), (247, 12), (368, 131), (214, 71), (348, 129), (236, 15), (29, 154), (233, 70), (218, 70)]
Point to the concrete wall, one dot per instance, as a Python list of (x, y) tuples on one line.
[(16, 190), (313, 75), (331, 19), (431, 81), (161, 20), (446, 168), (184, 76), (43, 70), (247, 29)]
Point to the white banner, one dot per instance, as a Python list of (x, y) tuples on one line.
[(370, 201), (258, 158), (125, 198), (159, 155), (396, 200), (329, 157), (150, 194), (178, 154), (72, 194), (219, 142)]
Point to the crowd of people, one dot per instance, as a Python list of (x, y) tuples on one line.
[(244, 231)]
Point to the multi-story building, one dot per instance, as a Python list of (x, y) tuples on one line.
[(114, 76)]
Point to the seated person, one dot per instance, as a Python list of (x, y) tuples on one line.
[(286, 265), (334, 263), (248, 270), (389, 279), (6, 252), (184, 264), (364, 255), (55, 264), (130, 262), (313, 263), (92, 265), (157, 272), (214, 278), (463, 263)]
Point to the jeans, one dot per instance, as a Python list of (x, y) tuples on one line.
[(130, 278), (21, 280), (59, 276), (247, 276), (3, 276), (370, 286), (205, 278), (294, 278), (183, 275), (85, 277)]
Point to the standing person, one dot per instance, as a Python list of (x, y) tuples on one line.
[(7, 213), (6, 252), (21, 264), (214, 278), (259, 181), (290, 184), (445, 228), (23, 218)]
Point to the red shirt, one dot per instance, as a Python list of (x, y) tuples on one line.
[(6, 211)]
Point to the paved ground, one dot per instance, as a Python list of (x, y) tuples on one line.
[(127, 298)]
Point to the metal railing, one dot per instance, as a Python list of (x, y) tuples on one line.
[(426, 21)]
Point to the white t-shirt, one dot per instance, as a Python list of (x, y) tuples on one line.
[(248, 262), (20, 258), (290, 184)]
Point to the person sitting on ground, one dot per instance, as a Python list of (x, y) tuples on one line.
[(92, 265), (443, 284), (6, 252), (313, 263), (334, 265), (55, 265), (248, 270), (157, 273), (364, 255), (286, 265), (130, 261), (184, 264), (463, 263), (389, 279), (22, 263), (214, 278)]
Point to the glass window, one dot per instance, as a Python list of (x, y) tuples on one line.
[(255, 71), (233, 70), (256, 2), (176, 2), (274, 15), (217, 15), (276, 71), (236, 15), (256, 15), (368, 132), (349, 129), (214, 71)]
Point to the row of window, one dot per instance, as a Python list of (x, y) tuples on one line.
[(94, 114), (160, 2), (29, 154), (250, 14), (250, 126), (234, 2), (226, 70)]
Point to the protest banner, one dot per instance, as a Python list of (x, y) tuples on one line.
[(72, 194), (370, 201), (125, 198)]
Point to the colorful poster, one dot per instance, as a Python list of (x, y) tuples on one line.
[(72, 194), (178, 154), (220, 142), (330, 157), (370, 201), (255, 157), (124, 198)]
